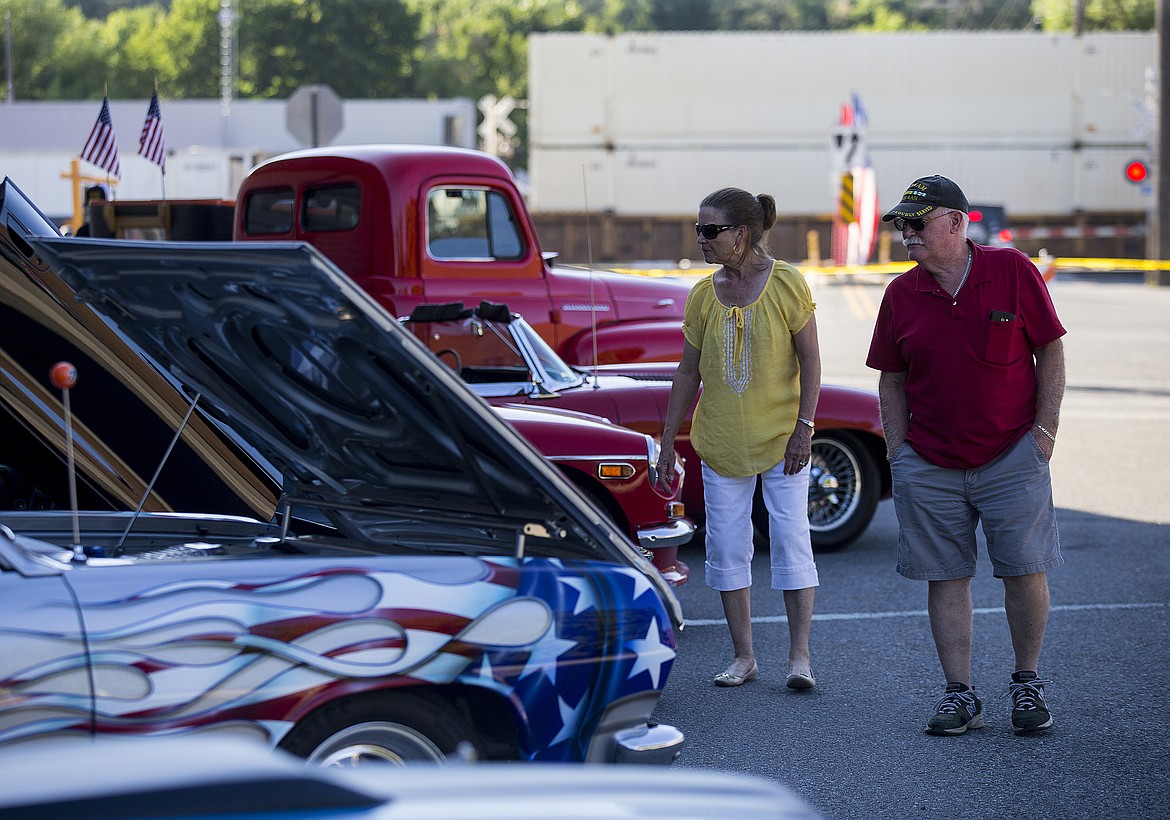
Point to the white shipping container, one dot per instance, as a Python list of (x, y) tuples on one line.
[(1029, 182), (1044, 123)]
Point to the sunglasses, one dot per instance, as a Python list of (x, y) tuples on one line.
[(710, 230), (900, 223)]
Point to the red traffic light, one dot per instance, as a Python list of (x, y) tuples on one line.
[(1136, 171)]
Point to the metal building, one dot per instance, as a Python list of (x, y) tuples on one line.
[(210, 148)]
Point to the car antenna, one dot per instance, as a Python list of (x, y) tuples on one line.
[(64, 376), (589, 255), (158, 470)]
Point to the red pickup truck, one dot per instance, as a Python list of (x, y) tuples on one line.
[(414, 224)]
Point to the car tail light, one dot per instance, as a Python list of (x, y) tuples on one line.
[(1005, 235), (612, 472), (676, 509)]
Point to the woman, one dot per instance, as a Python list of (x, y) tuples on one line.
[(751, 341)]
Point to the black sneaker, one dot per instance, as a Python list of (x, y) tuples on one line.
[(957, 711), (1029, 711)]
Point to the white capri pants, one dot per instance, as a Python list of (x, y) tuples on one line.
[(728, 505)]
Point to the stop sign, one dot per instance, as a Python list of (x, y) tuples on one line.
[(313, 114)]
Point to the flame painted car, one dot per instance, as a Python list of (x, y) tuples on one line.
[(420, 580), (503, 360)]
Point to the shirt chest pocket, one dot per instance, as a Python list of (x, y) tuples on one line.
[(1003, 337)]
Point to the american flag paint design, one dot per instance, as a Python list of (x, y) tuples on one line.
[(172, 650)]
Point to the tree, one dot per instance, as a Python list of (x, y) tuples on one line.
[(136, 58), (1100, 15), (100, 9), (362, 48), (471, 48), (51, 50), (74, 49)]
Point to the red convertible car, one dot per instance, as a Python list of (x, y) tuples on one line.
[(614, 467), (503, 360)]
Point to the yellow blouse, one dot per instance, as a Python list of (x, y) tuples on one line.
[(749, 370)]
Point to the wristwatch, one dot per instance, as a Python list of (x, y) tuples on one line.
[(810, 424)]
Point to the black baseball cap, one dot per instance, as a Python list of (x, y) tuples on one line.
[(927, 193)]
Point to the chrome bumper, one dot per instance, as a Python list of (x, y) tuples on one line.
[(626, 734), (659, 744), (674, 534)]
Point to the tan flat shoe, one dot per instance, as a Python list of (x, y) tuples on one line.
[(729, 678), (798, 680)]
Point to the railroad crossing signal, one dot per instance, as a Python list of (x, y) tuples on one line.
[(846, 205), (848, 147), (497, 133)]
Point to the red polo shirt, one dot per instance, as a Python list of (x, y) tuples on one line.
[(970, 374)]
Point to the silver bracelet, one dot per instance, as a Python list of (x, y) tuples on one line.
[(1044, 430)]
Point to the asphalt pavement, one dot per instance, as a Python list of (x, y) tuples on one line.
[(854, 746)]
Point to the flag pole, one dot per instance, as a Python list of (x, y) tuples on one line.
[(162, 169), (152, 142)]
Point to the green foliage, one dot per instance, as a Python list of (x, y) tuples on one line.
[(471, 48), (75, 49), (188, 50), (47, 53), (468, 48), (362, 48), (100, 9), (128, 41), (1099, 15)]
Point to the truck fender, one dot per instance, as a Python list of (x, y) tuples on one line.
[(622, 342)]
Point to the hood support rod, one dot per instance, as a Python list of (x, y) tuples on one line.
[(150, 487)]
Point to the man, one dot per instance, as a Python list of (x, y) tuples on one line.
[(972, 375)]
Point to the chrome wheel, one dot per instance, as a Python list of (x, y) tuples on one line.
[(376, 743), (842, 491), (395, 728)]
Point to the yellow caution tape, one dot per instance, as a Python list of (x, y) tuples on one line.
[(1046, 264)]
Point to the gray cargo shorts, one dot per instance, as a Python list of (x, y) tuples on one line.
[(938, 510)]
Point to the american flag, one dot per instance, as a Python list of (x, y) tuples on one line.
[(151, 144), (102, 146)]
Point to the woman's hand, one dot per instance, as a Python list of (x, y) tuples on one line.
[(665, 469), (799, 449)]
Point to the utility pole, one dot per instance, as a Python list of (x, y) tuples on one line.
[(10, 85), (227, 64)]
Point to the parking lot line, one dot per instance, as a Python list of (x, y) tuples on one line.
[(916, 613)]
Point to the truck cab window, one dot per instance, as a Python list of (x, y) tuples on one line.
[(269, 212), (471, 223), (332, 208)]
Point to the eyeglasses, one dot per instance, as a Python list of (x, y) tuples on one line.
[(900, 223), (710, 230)]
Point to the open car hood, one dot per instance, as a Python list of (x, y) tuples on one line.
[(281, 346), (365, 426)]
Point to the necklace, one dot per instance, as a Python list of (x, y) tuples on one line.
[(963, 281)]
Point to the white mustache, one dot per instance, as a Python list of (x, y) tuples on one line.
[(913, 240)]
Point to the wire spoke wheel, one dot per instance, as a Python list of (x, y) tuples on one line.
[(843, 489)]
